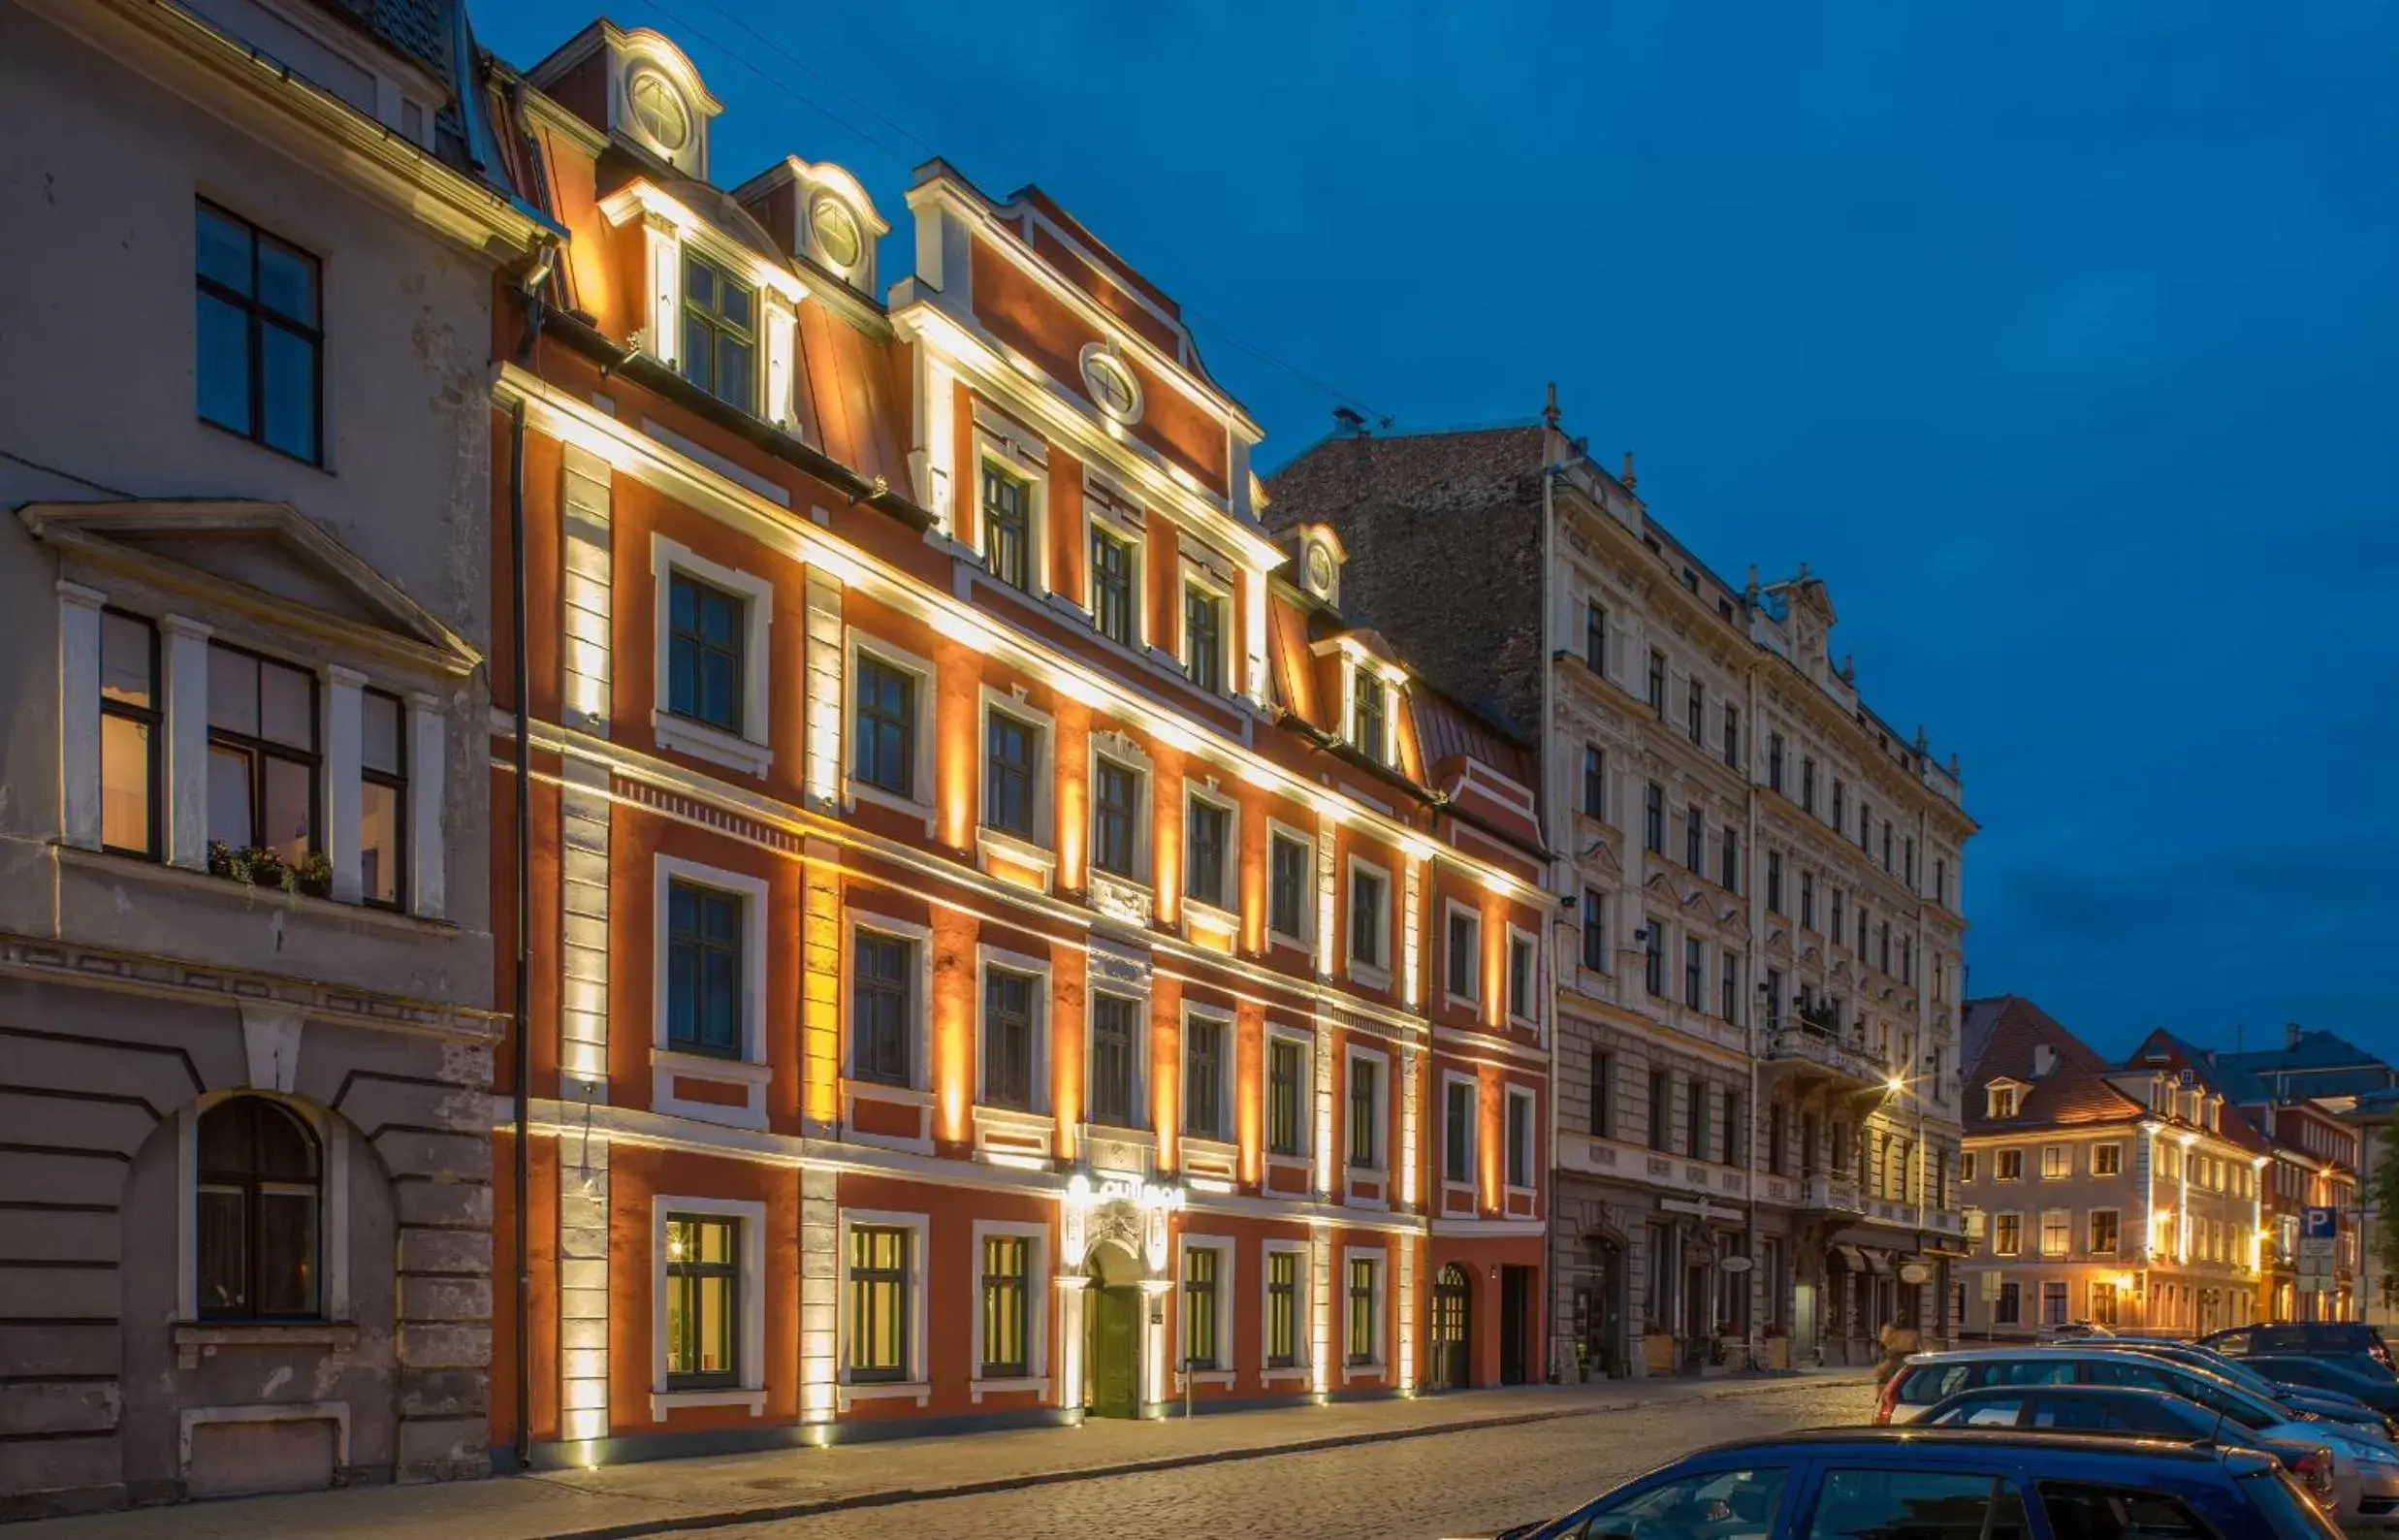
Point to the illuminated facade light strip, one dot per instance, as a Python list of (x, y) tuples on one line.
[(572, 420)]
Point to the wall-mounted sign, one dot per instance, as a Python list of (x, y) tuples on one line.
[(1144, 1195), (1737, 1264), (1915, 1272)]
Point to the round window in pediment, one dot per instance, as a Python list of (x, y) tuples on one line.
[(1111, 385), (658, 106), (1320, 568), (838, 236)]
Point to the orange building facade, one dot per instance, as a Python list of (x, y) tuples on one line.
[(1001, 949)]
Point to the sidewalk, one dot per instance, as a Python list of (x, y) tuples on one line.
[(668, 1496)]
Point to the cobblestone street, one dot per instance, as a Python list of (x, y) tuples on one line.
[(1470, 1483)]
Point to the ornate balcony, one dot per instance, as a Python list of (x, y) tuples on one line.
[(1830, 1195), (1806, 1051)]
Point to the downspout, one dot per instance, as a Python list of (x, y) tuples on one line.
[(1545, 737), (1753, 1017)]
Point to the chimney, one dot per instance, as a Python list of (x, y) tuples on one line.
[(2045, 1061), (1631, 481), (2290, 1034), (1549, 412), (1349, 422)]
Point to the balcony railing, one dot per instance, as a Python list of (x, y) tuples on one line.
[(1802, 1045), (1836, 1195)]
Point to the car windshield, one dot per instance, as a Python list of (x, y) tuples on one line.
[(1707, 1505), (2287, 1508)]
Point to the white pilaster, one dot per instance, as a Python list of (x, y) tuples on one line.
[(344, 756), (186, 649), (933, 459), (1321, 1348), (821, 1294), (1412, 935), (1403, 1272), (79, 713), (429, 803), (823, 670), (1253, 621), (663, 259), (583, 1287), (1408, 1065), (585, 590), (1071, 1294), (583, 963), (781, 360)]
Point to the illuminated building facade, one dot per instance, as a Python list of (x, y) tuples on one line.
[(1003, 948)]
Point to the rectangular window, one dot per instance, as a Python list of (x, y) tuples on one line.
[(1111, 586), (1695, 839), (2107, 1160), (703, 969), (1519, 1139), (703, 1303), (1773, 761), (1595, 639), (2057, 1233), (1732, 736), (2053, 1302), (1008, 1039), (1114, 1022), (1728, 865), (1287, 896), (1521, 977), (1367, 732), (2009, 1166), (1204, 1077), (1115, 817), (1281, 1309), (1654, 957), (1728, 992), (2057, 1163), (1465, 954), (1602, 1095), (1886, 844), (1837, 915), (262, 755), (1008, 1306), (1807, 782), (130, 734), (1008, 527), (2006, 1234), (882, 972), (884, 753), (1778, 1134), (1694, 973), (1695, 1119), (1807, 900), (1200, 1348), (1661, 1108), (1011, 750), (1774, 882), (1594, 930), (1204, 638), (1696, 712), (1287, 1079), (1594, 783), (2008, 1308), (1658, 683), (720, 334), (1774, 999), (1206, 871), (879, 1302), (1363, 1338), (2103, 1229), (1840, 797), (1866, 824), (1653, 819), (1365, 1114), (705, 628), (260, 344), (1457, 1115), (1908, 871), (383, 799), (1367, 918)]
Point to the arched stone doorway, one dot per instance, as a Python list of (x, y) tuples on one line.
[(1112, 1332), (1450, 1365)]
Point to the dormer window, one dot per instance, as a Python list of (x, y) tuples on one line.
[(2003, 1099), (837, 231), (1369, 715), (658, 106), (719, 333)]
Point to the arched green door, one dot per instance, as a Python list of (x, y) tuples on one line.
[(1112, 1349)]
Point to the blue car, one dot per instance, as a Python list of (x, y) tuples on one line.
[(1951, 1484)]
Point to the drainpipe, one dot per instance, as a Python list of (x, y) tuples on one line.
[(1545, 737)]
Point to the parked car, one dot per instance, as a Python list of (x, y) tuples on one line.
[(1951, 1484), (1929, 1378), (2311, 1337), (2330, 1404), (2348, 1376), (2074, 1332), (2335, 1478)]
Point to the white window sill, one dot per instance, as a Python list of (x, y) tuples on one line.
[(1361, 1372), (1224, 1377), (885, 1091), (1301, 1161), (1039, 1385), (1466, 1003), (918, 1390), (663, 1402), (708, 1067), (992, 845), (1368, 976), (1297, 1372), (703, 742), (194, 1340), (1203, 918), (339, 911)]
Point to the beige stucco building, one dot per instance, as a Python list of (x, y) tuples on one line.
[(246, 1184)]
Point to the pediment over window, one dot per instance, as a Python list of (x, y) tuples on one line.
[(265, 559)]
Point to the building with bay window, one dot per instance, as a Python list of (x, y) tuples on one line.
[(245, 961), (1007, 947)]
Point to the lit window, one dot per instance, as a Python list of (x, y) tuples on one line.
[(1287, 1079), (1365, 1312), (1200, 1269), (703, 1303), (1368, 716), (256, 1227), (1008, 527), (1008, 1306), (383, 799), (260, 365), (262, 757), (130, 734), (879, 1302), (720, 330), (1281, 1309)]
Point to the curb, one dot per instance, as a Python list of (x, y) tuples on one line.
[(895, 1497)]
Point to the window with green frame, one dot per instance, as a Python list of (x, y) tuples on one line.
[(1363, 1314), (1202, 1348), (877, 1304), (1281, 1309), (703, 1303), (1008, 527), (1008, 1306), (720, 334)]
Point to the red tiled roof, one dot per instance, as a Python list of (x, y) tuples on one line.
[(2232, 1124), (2074, 1091)]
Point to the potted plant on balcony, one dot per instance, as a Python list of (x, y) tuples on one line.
[(259, 866), (1817, 1016)]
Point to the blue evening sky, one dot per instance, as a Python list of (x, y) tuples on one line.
[(2059, 339)]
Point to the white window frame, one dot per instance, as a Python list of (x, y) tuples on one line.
[(1120, 750), (1040, 851), (1039, 1292), (1378, 1359), (999, 441), (1999, 1165), (1305, 1040), (2057, 1163), (751, 1217), (986, 957), (1305, 941), (1395, 687), (2091, 1223), (1224, 908), (333, 1137), (751, 1070), (919, 1087), (1518, 936), (751, 751), (1303, 1294), (1474, 1132), (1229, 1358), (2115, 1151), (1532, 1139), (1190, 575), (1380, 1169), (2065, 1224), (2007, 1214), (1226, 1078), (919, 1386), (854, 643), (1370, 971), (1450, 909), (1105, 508), (1140, 1127)]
